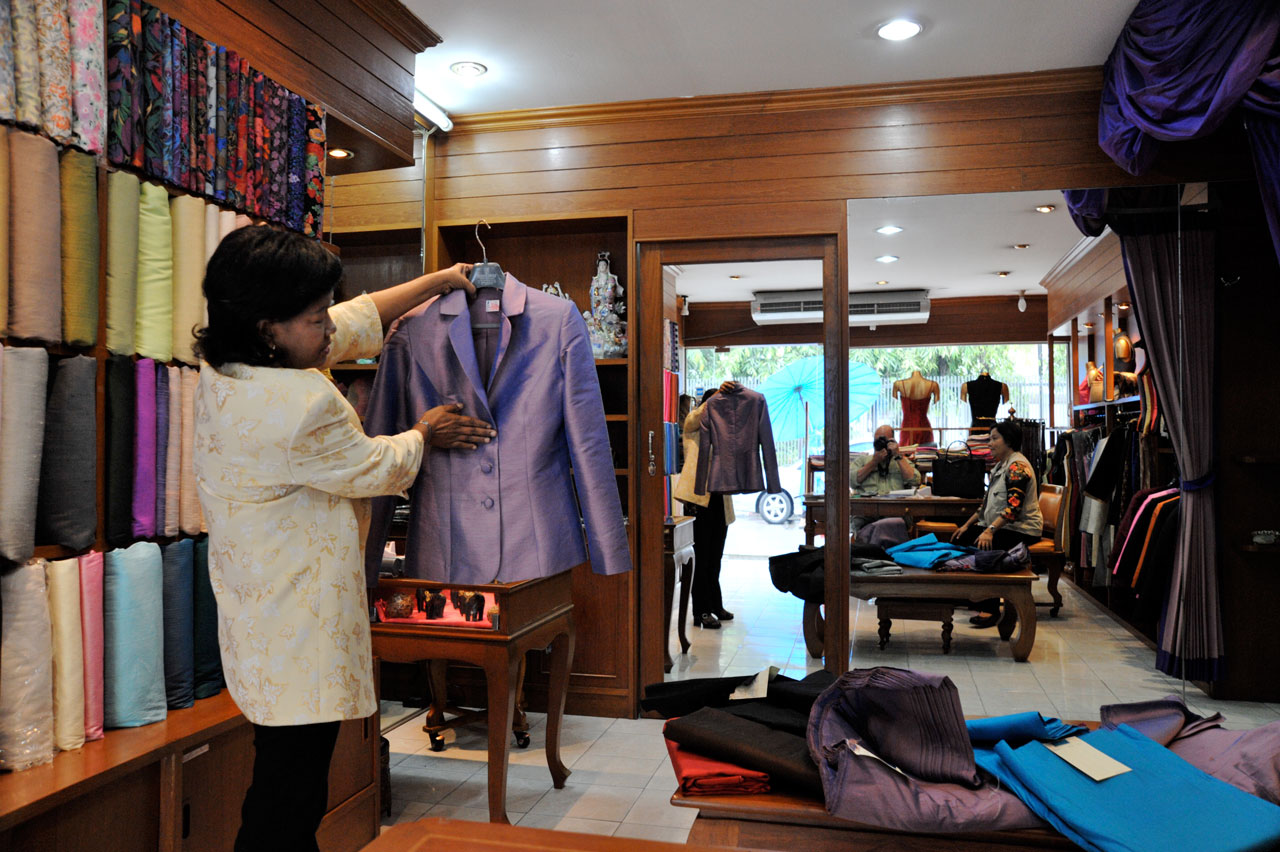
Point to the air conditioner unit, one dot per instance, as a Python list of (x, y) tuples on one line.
[(892, 307)]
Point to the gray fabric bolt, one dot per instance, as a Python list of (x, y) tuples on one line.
[(26, 373)]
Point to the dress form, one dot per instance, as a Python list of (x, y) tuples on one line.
[(988, 394), (915, 393)]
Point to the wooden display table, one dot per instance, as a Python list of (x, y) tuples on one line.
[(429, 835), (783, 821), (677, 551), (910, 509), (535, 614)]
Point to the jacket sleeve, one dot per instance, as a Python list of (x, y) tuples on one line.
[(330, 453), (765, 431), (357, 332), (387, 414), (704, 450), (589, 452)]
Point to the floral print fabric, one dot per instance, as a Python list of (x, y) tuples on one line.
[(314, 212), (88, 74), (7, 96), (53, 41), (26, 62), (155, 47)]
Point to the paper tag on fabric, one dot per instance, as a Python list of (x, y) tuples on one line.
[(860, 751), (757, 687), (1096, 764), (492, 305)]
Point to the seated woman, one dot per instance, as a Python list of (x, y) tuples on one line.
[(1010, 510)]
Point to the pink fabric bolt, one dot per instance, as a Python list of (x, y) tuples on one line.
[(91, 628), (144, 451)]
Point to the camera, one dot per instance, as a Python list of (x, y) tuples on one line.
[(881, 443)]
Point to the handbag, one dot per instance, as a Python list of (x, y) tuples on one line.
[(956, 475)]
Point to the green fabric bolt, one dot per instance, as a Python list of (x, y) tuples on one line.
[(188, 273), (153, 324), (79, 176), (122, 261)]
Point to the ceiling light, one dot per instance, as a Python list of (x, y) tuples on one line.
[(735, 277), (1124, 306), (882, 283), (1004, 273), (899, 29), (888, 230), (1020, 246), (1089, 326), (469, 69), (341, 153), (1045, 208), (1022, 301), (887, 258)]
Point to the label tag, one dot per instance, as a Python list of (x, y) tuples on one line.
[(492, 305), (860, 751), (1096, 764), (758, 687)]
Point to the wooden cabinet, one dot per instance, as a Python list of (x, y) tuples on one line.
[(175, 786)]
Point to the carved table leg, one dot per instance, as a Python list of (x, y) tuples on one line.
[(1055, 572), (946, 634), (500, 675), (813, 624), (885, 624), (1025, 609), (1008, 619), (561, 657), (519, 721)]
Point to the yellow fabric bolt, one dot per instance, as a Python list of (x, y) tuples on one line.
[(153, 324), (188, 273), (122, 261), (4, 229), (68, 653), (79, 248)]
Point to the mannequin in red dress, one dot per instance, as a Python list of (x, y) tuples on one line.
[(915, 393)]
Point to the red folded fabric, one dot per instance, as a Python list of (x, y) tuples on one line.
[(702, 776)]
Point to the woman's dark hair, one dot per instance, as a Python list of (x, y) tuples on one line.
[(260, 273), (707, 394), (1011, 433)]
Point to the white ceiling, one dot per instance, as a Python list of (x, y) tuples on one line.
[(543, 53), (950, 245)]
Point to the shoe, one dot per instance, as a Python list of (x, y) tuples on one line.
[(723, 614), (708, 621), (984, 620)]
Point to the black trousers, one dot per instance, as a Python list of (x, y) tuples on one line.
[(290, 789), (709, 531), (1001, 539)]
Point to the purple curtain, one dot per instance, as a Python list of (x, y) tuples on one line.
[(1178, 71), (1171, 283)]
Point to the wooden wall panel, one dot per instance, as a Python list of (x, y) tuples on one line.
[(334, 52), (1091, 273), (991, 319)]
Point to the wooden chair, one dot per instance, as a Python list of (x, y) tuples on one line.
[(1045, 553)]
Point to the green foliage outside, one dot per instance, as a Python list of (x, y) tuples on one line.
[(707, 367)]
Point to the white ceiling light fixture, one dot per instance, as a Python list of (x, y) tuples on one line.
[(1045, 208), (341, 153), (1003, 274), (899, 29), (887, 258), (469, 69), (888, 230), (1021, 246), (1022, 301), (431, 111)]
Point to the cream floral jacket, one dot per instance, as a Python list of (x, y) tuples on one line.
[(284, 467)]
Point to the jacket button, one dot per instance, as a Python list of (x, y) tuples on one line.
[(487, 467), (487, 502)]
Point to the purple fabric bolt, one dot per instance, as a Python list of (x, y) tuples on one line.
[(162, 442), (144, 451)]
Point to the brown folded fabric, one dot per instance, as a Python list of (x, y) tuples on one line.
[(35, 299), (4, 229)]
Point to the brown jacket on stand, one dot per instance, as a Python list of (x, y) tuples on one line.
[(735, 431)]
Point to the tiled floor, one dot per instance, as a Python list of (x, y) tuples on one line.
[(621, 779)]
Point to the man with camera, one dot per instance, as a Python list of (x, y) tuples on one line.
[(877, 473)]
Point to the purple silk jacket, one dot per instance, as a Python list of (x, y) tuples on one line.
[(506, 511)]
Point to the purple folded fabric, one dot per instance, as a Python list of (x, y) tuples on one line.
[(162, 445), (144, 451)]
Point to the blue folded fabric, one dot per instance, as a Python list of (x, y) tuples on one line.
[(1162, 803), (1019, 728), (926, 551), (179, 624), (133, 649)]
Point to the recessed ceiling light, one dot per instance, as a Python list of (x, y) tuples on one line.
[(887, 258), (882, 283), (899, 29), (735, 277), (341, 153), (888, 230), (1088, 325), (1021, 246), (1004, 273), (468, 69), (1124, 306), (1045, 208)]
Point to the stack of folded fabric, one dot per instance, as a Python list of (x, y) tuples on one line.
[(927, 552), (991, 561)]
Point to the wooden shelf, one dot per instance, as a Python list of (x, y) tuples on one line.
[(348, 366), (617, 418), (611, 362), (72, 773), (1124, 400), (621, 471), (1259, 459), (1260, 548)]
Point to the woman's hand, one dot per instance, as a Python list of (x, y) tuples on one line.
[(443, 427), (727, 386), (456, 277), (961, 530), (985, 539), (393, 302)]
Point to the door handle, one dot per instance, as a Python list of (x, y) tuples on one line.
[(653, 462)]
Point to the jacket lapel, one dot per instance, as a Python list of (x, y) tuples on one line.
[(513, 299), (464, 348)]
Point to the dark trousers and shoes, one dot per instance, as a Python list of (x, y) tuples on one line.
[(709, 532), (1002, 539), (290, 790)]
